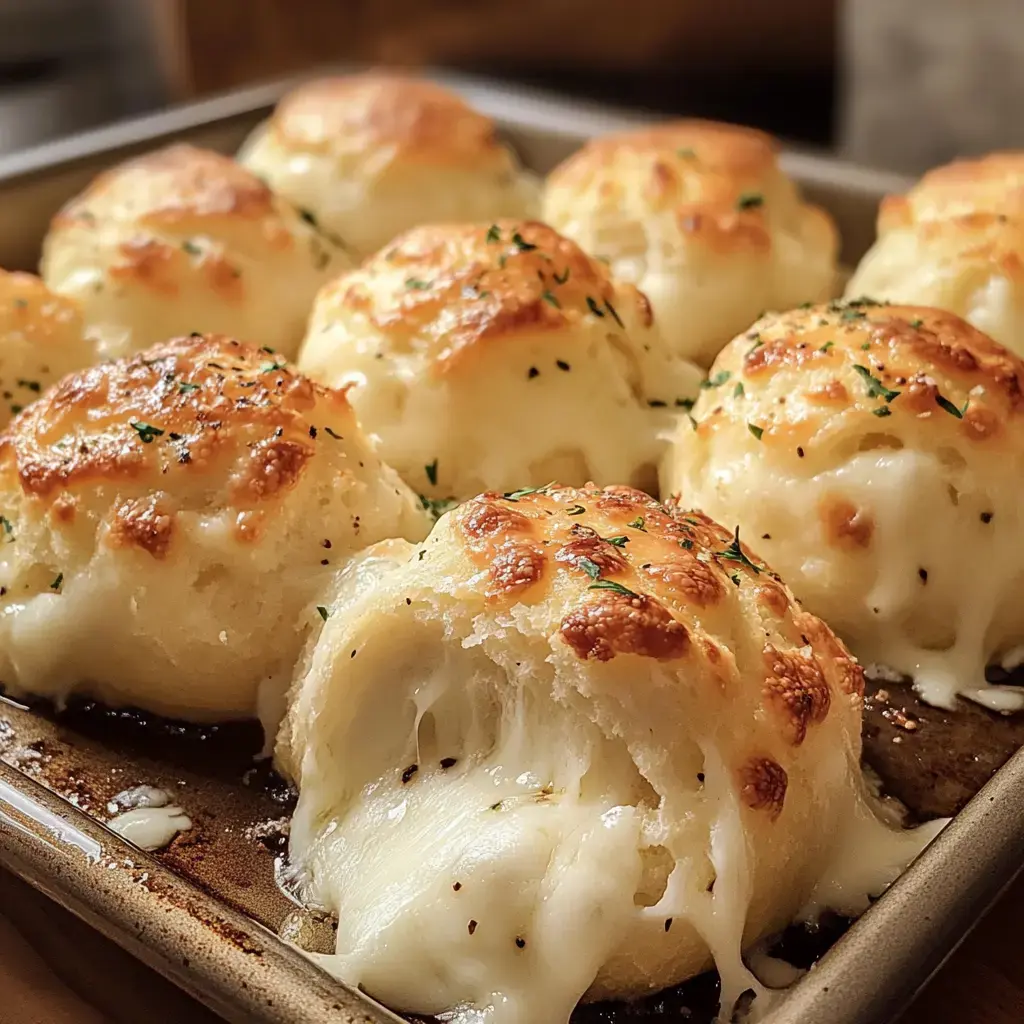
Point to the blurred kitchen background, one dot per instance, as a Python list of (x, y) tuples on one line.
[(895, 83)]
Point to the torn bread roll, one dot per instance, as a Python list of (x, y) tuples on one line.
[(875, 454), (955, 241), (167, 522), (498, 355), (375, 154), (181, 240), (702, 219), (590, 747)]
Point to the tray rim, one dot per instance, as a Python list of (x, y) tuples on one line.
[(871, 974)]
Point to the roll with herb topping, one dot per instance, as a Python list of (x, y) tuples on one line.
[(183, 240), (700, 216), (586, 745), (956, 241), (41, 339), (168, 521), (496, 356), (376, 154), (875, 454)]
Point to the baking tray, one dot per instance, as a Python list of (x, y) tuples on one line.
[(206, 912)]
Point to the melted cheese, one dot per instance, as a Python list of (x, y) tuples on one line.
[(150, 828)]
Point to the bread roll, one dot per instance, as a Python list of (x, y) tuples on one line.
[(956, 242), (183, 240), (41, 339), (701, 218), (585, 746), (375, 154), (875, 454), (497, 356), (167, 521)]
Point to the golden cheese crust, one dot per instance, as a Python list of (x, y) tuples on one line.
[(41, 339), (186, 239), (956, 241), (871, 446), (419, 120), (162, 493), (376, 154), (446, 290), (500, 355), (699, 215)]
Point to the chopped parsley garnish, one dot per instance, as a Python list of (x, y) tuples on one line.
[(750, 201), (686, 544), (755, 430), (684, 403), (563, 278), (717, 381), (58, 580), (594, 307), (575, 510), (191, 248), (638, 524), (866, 346), (619, 542), (590, 567), (758, 342), (738, 391), (916, 323), (431, 472), (337, 437), (438, 506), (826, 346), (147, 432), (876, 389), (5, 525), (615, 315), (948, 406), (272, 366), (852, 314), (618, 588), (494, 233), (521, 244), (516, 495), (882, 410), (32, 385), (734, 553), (185, 387), (551, 299), (323, 612), (417, 284)]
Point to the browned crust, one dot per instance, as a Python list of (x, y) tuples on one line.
[(797, 691), (845, 525), (142, 523), (763, 783), (516, 566), (615, 624)]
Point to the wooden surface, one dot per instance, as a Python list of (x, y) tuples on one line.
[(54, 970)]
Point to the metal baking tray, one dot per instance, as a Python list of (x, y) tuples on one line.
[(206, 911)]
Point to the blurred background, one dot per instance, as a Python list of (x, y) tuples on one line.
[(845, 76)]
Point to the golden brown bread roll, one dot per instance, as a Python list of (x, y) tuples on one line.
[(586, 745), (168, 521), (376, 154), (700, 217), (498, 355), (182, 240), (875, 454), (955, 241)]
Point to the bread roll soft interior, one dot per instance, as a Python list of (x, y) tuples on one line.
[(375, 154), (182, 240), (875, 454), (167, 522)]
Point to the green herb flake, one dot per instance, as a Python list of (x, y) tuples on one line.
[(866, 346), (757, 431), (594, 307), (438, 506), (272, 366), (876, 389), (323, 612), (852, 314), (717, 381), (946, 405), (575, 510), (5, 525), (523, 492), (589, 566), (686, 545), (521, 244), (738, 391), (431, 472), (191, 248), (416, 284), (637, 524), (493, 234), (917, 324), (734, 553), (826, 346), (550, 298), (684, 403), (185, 387), (617, 588), (563, 278), (57, 581), (620, 541), (750, 201), (881, 411), (147, 432)]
